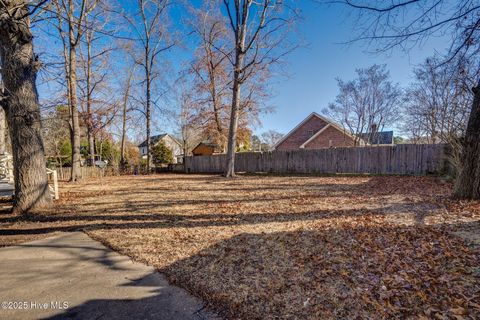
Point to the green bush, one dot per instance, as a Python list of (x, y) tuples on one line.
[(161, 154), (109, 151)]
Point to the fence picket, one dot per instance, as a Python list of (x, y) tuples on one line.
[(398, 159)]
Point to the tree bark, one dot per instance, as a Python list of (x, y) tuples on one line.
[(467, 185), (148, 111), (123, 159), (216, 113), (2, 131), (19, 71), (91, 147), (76, 157), (240, 31), (240, 36), (232, 133), (215, 102), (72, 75)]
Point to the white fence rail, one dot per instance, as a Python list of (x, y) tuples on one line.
[(53, 183), (7, 177), (6, 168)]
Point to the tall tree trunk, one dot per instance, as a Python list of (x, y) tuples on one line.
[(240, 36), (216, 114), (19, 70), (95, 149), (467, 185), (76, 157), (185, 151), (215, 102), (236, 99), (123, 158), (2, 131), (147, 114), (91, 148), (232, 134)]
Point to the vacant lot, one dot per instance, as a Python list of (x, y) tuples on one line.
[(286, 247)]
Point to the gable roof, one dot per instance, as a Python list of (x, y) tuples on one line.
[(214, 146), (155, 139), (325, 119), (377, 138)]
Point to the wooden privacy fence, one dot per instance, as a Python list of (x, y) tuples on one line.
[(407, 159), (64, 173)]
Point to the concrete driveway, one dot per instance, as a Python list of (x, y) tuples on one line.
[(71, 276)]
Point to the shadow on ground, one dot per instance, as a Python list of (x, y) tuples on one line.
[(156, 307), (89, 281), (303, 247), (345, 273), (115, 218)]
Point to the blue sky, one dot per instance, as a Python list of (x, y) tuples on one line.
[(312, 69)]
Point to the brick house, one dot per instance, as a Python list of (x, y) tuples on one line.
[(318, 132)]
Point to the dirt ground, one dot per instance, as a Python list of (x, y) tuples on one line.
[(267, 247)]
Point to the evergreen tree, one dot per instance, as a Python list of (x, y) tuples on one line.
[(161, 154)]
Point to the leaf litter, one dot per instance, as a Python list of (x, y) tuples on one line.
[(263, 247)]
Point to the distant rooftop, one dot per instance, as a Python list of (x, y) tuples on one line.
[(153, 140), (377, 138)]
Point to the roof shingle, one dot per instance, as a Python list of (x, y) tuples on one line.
[(376, 138), (153, 140)]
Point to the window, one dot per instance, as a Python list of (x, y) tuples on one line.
[(310, 133)]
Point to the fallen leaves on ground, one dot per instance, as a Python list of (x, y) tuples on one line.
[(260, 247)]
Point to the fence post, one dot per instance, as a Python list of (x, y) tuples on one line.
[(55, 184)]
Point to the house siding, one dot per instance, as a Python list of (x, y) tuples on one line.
[(173, 146), (331, 137), (170, 143), (302, 134), (203, 150)]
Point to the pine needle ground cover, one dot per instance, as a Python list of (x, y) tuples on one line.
[(264, 247)]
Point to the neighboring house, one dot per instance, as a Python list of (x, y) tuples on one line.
[(206, 149), (318, 132), (315, 132), (380, 138), (173, 144)]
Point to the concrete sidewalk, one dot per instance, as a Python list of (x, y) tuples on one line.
[(72, 276)]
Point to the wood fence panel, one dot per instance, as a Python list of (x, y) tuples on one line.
[(405, 159), (64, 173)]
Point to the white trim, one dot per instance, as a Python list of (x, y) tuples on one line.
[(293, 130), (314, 136), (337, 126)]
